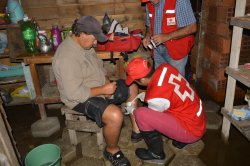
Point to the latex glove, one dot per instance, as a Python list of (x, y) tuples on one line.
[(130, 106), (141, 96)]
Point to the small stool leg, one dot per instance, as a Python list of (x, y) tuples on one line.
[(72, 133), (100, 141), (72, 122)]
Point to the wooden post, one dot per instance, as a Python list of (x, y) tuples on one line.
[(7, 149)]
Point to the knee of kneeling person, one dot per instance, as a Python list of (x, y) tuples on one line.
[(139, 112)]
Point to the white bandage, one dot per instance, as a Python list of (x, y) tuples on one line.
[(130, 106)]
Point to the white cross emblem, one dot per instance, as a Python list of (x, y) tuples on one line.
[(185, 94)]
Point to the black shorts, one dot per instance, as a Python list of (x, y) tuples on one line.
[(94, 107)]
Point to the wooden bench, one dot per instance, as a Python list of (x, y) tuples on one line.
[(76, 121)]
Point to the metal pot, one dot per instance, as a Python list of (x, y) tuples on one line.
[(44, 48), (44, 45)]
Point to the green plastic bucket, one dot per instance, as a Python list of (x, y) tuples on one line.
[(44, 155)]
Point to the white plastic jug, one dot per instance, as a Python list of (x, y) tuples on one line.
[(15, 10)]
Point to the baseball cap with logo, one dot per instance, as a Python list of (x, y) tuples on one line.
[(90, 25), (136, 69)]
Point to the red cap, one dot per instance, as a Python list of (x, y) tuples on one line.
[(136, 69), (145, 0)]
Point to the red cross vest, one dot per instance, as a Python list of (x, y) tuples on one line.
[(177, 48), (185, 104)]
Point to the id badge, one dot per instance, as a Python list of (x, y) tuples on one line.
[(171, 21)]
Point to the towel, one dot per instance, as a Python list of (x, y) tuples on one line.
[(241, 114)]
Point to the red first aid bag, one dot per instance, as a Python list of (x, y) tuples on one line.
[(127, 43)]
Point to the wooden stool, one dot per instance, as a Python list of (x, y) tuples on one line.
[(76, 121)]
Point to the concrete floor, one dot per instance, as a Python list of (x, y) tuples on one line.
[(211, 151)]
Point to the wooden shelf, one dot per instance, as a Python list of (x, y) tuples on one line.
[(18, 101), (6, 53), (243, 22), (5, 26), (241, 74), (242, 126), (236, 72), (11, 80)]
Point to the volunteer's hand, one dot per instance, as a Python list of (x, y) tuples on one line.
[(160, 38), (146, 41)]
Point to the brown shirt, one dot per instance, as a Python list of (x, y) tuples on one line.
[(76, 71)]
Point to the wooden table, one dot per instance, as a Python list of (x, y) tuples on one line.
[(34, 60)]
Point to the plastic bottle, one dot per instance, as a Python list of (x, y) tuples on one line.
[(28, 32), (15, 10), (106, 23), (56, 37), (106, 19)]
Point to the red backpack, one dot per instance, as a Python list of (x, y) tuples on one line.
[(120, 42)]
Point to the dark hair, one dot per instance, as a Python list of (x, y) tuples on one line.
[(151, 71), (74, 28)]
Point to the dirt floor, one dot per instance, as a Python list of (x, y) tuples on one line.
[(214, 152)]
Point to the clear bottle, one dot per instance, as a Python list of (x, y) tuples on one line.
[(56, 37)]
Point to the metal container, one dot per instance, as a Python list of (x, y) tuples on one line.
[(44, 44)]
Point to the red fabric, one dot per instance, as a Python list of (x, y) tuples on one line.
[(137, 68), (122, 43), (165, 123), (184, 102), (178, 48)]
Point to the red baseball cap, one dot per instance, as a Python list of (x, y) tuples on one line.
[(145, 0), (136, 69)]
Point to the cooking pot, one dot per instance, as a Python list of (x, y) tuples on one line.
[(44, 44)]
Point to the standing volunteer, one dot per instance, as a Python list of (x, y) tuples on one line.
[(170, 24)]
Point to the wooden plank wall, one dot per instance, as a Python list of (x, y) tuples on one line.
[(130, 13), (3, 4)]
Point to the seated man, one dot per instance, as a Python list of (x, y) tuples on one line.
[(174, 109), (84, 87)]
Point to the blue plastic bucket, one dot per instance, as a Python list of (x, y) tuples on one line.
[(44, 155)]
